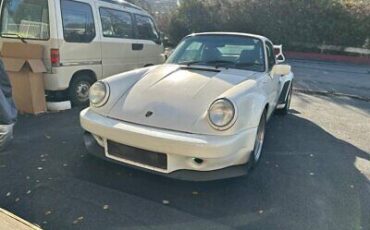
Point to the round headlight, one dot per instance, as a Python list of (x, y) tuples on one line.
[(221, 113), (99, 93)]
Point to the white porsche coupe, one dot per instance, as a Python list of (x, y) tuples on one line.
[(199, 116)]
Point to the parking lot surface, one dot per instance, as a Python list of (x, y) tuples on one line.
[(315, 174), (332, 78)]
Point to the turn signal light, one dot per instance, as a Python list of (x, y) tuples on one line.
[(55, 57)]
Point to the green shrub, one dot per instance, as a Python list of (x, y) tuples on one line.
[(332, 22)]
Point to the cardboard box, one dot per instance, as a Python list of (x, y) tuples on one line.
[(23, 63)]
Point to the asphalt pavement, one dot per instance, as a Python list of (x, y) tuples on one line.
[(314, 174), (333, 78)]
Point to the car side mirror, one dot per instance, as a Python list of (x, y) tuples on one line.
[(280, 58), (167, 52), (164, 39), (159, 39), (281, 70), (161, 35)]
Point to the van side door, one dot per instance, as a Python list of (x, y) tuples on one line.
[(117, 28), (149, 45), (79, 44)]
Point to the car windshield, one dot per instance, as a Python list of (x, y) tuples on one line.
[(229, 51)]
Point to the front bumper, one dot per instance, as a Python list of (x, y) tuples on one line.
[(217, 152), (188, 175)]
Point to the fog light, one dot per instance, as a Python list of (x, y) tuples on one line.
[(198, 161), (99, 139)]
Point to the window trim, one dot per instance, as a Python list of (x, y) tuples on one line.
[(155, 27), (132, 23), (32, 39), (93, 17)]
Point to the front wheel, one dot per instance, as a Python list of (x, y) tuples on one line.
[(260, 138), (79, 90)]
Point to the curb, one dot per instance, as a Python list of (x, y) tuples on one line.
[(327, 93), (361, 60), (9, 221)]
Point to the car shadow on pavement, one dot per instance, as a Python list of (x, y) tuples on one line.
[(307, 179)]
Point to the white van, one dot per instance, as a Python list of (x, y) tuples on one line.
[(84, 40)]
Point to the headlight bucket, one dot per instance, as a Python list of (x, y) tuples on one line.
[(99, 94), (222, 114)]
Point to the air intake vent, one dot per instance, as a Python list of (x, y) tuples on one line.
[(153, 159)]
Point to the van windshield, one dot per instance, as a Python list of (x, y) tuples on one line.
[(25, 19)]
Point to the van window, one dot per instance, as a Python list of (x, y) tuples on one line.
[(78, 21), (116, 24), (145, 28), (26, 19)]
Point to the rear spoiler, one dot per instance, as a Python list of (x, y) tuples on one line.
[(280, 58)]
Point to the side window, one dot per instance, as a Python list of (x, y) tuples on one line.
[(145, 28), (116, 24), (78, 21), (270, 55)]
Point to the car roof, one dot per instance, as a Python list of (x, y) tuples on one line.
[(232, 33)]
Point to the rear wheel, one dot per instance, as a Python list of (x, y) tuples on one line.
[(79, 89), (258, 144)]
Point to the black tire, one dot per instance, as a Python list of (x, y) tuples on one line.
[(285, 110), (78, 91), (258, 145)]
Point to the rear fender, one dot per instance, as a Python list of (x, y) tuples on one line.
[(285, 85)]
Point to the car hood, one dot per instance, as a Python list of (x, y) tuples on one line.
[(176, 98)]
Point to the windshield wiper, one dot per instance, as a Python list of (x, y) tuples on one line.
[(214, 63), (14, 34), (248, 64), (220, 62), (189, 63), (204, 67)]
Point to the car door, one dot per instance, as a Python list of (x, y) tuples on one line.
[(273, 79)]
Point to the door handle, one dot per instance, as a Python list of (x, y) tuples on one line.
[(137, 46)]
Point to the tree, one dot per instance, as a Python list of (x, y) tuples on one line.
[(292, 22)]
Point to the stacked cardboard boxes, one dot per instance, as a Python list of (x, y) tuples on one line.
[(24, 65)]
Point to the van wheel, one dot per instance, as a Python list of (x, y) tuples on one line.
[(79, 90)]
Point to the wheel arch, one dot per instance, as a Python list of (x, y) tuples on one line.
[(284, 91), (84, 72), (250, 106), (86, 75), (266, 108)]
